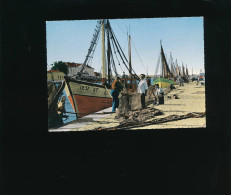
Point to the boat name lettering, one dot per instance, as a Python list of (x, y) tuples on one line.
[(95, 89), (84, 88)]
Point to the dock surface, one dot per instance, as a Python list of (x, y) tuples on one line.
[(191, 99), (82, 122)]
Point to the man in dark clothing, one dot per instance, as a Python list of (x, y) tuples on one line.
[(116, 88), (148, 80)]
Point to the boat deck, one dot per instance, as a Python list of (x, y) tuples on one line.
[(81, 122)]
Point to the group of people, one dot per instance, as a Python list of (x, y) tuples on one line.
[(142, 88), (180, 80)]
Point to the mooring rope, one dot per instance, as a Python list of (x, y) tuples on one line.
[(107, 90)]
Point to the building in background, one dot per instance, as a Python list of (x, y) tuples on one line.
[(74, 68), (55, 75), (97, 74), (201, 75)]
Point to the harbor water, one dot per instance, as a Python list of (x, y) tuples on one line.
[(68, 108)]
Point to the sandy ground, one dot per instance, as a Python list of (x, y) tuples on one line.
[(191, 99)]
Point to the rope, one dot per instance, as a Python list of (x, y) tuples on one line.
[(118, 47), (155, 121), (157, 66), (113, 64), (90, 113), (116, 41), (120, 27), (113, 38), (116, 55), (138, 55), (107, 90)]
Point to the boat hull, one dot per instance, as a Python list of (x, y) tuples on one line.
[(163, 82), (87, 98)]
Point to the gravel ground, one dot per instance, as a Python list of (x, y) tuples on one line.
[(191, 99)]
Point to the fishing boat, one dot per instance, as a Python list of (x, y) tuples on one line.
[(187, 74), (166, 77), (173, 67), (54, 93), (184, 74), (88, 97), (178, 73)]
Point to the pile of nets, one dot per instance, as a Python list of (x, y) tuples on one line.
[(139, 115)]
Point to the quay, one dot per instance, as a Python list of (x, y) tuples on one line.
[(191, 98), (82, 122)]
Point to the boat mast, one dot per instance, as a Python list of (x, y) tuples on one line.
[(103, 53), (130, 63), (177, 69), (183, 73), (171, 63), (166, 71), (108, 55), (162, 60), (186, 71)]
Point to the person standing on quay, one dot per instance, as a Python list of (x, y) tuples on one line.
[(142, 88), (180, 81), (116, 88), (159, 94), (148, 79)]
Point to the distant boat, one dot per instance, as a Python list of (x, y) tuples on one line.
[(88, 97), (184, 74), (163, 82), (166, 77)]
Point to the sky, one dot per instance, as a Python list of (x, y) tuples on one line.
[(69, 41)]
